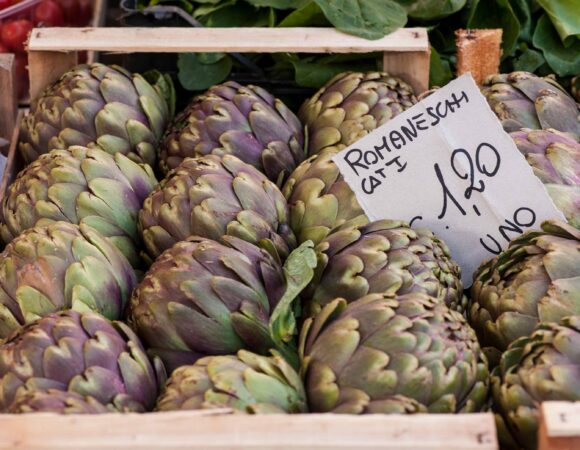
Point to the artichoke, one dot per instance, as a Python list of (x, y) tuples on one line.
[(81, 353), (524, 100), (385, 256), (244, 121), (98, 105), (576, 88), (536, 279), (555, 158), (61, 266), (542, 367), (211, 197), (247, 383), (80, 185), (204, 298), (351, 105), (55, 401), (386, 354), (319, 199)]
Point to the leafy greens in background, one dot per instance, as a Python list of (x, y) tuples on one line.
[(541, 36)]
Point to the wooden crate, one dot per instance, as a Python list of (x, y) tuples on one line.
[(8, 100), (560, 426), (194, 430), (406, 53)]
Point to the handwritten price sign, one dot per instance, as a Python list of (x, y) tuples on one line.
[(447, 164)]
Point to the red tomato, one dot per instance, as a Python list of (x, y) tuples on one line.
[(71, 12), (48, 13), (4, 49), (6, 3), (85, 12), (15, 34)]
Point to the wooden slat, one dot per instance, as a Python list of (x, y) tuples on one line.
[(242, 40), (45, 68), (98, 20), (14, 161), (190, 430), (560, 426), (8, 95), (413, 67)]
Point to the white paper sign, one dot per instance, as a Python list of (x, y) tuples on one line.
[(447, 164)]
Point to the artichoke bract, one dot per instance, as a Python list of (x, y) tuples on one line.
[(247, 383), (386, 354), (524, 100), (541, 367), (575, 83), (81, 353), (351, 105), (61, 266), (536, 279), (319, 199), (244, 121), (205, 298), (80, 185), (385, 256), (555, 158), (55, 401), (211, 197), (98, 105)]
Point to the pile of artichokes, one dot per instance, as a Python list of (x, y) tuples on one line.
[(249, 277)]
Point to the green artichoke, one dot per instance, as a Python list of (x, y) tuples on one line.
[(247, 383), (524, 100), (244, 121), (61, 266), (555, 158), (351, 105), (80, 185), (319, 199), (536, 279), (385, 256), (98, 105), (386, 354), (204, 298), (55, 401), (542, 367), (211, 197), (82, 353)]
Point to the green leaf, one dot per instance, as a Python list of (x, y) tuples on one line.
[(565, 16), (309, 15), (207, 9), (497, 14), (522, 11), (316, 74), (238, 15), (201, 71), (564, 60), (529, 60), (279, 4), (370, 19), (298, 272), (439, 70), (431, 9)]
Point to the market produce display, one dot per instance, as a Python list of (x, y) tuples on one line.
[(50, 268), (102, 106), (211, 197), (80, 185), (351, 105), (244, 121), (246, 382), (246, 275)]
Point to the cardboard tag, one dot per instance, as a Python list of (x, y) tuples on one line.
[(447, 164)]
